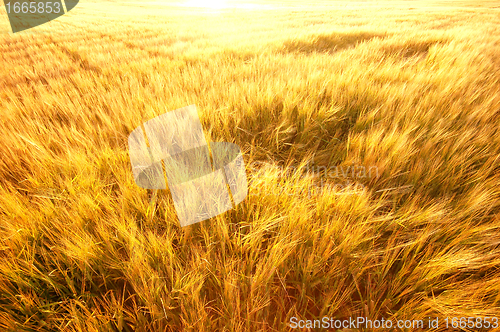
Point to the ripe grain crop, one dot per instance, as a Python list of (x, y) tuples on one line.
[(409, 88)]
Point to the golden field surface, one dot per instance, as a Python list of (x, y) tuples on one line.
[(407, 90)]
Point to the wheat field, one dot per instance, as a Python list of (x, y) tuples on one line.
[(370, 137)]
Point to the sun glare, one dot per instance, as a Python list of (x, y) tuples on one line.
[(214, 4)]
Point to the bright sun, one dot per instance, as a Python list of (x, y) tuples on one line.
[(215, 4)]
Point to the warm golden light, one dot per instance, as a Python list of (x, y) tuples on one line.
[(214, 4)]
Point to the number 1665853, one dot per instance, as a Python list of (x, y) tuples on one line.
[(33, 7)]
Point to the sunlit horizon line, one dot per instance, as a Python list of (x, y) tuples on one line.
[(214, 4), (218, 4)]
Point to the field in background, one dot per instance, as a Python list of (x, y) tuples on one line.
[(411, 89)]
